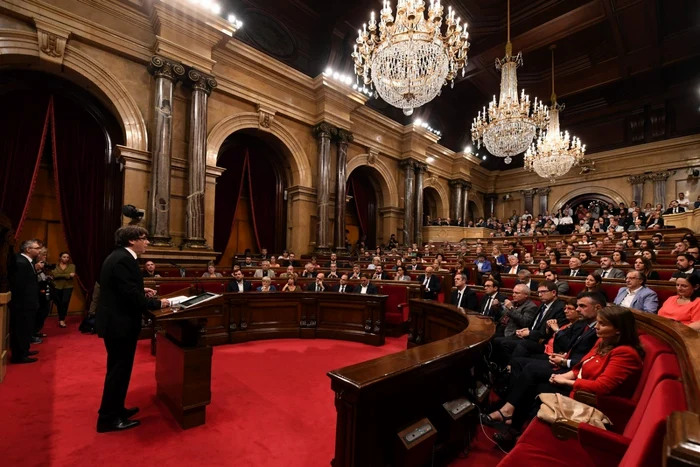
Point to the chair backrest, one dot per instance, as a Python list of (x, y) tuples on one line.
[(647, 443), (665, 366), (653, 347)]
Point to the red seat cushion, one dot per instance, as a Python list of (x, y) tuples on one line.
[(575, 288), (396, 295), (653, 347), (214, 287), (169, 287), (538, 447)]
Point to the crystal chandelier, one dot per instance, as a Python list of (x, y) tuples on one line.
[(554, 153), (408, 58), (509, 127)]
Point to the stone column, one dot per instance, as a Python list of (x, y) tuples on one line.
[(409, 179), (456, 206), (544, 199), (659, 180), (202, 86), (490, 204), (637, 182), (528, 195), (344, 138), (166, 74), (418, 225), (466, 186), (323, 132)]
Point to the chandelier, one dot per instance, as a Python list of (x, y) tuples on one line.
[(408, 58), (554, 153), (509, 126)]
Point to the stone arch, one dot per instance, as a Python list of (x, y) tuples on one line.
[(387, 182), (614, 195), (443, 198), (479, 212), (299, 163), (25, 44)]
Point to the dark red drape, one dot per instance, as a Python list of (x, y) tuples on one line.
[(263, 195), (229, 188), (24, 124), (79, 148), (359, 196)]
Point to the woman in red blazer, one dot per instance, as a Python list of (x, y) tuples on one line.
[(613, 366)]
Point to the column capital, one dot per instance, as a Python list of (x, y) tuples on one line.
[(659, 176), (199, 81), (407, 163), (467, 185), (161, 67), (529, 193), (324, 130), (490, 196), (344, 136), (637, 179), (420, 167), (544, 191)]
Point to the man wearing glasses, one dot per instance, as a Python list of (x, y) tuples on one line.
[(123, 300), (24, 303)]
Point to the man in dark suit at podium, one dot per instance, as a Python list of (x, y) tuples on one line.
[(123, 300), (239, 285)]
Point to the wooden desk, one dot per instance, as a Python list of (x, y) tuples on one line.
[(449, 233), (376, 399)]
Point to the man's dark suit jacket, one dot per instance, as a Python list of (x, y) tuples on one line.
[(469, 299), (495, 314), (670, 210), (233, 286), (384, 277), (433, 285), (348, 288), (582, 339), (533, 285), (371, 290), (556, 311), (581, 273), (23, 285), (122, 299), (506, 269), (418, 267), (312, 288)]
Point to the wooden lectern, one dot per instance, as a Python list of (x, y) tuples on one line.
[(183, 360)]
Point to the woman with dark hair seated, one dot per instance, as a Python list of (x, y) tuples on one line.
[(594, 283), (613, 366), (619, 258), (644, 266), (554, 258), (684, 307)]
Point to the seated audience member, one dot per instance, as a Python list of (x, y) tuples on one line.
[(238, 284), (376, 261), (290, 273), (248, 262), (343, 286), (365, 286), (499, 258), (619, 258), (289, 260), (554, 258), (562, 286), (149, 270), (574, 269), (524, 277), (266, 285), (679, 248), (683, 201), (514, 266), (684, 307), (694, 251), (637, 295), (334, 260), (401, 275), (607, 271), (585, 258), (263, 254), (211, 271), (542, 266), (380, 274), (265, 270), (482, 265), (309, 271), (491, 303), (333, 273), (431, 283), (685, 264), (355, 272), (274, 263), (644, 266), (463, 296), (414, 266), (674, 209), (612, 367), (291, 285), (318, 286), (594, 283), (437, 266), (517, 313), (528, 259)]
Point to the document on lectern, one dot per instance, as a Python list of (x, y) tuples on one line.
[(179, 299), (197, 299)]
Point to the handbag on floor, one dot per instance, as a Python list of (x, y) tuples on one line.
[(557, 406)]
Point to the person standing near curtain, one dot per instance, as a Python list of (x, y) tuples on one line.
[(45, 286), (24, 302), (123, 300), (63, 286)]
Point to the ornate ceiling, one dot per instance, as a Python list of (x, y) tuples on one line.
[(627, 70)]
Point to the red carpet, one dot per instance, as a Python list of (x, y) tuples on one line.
[(271, 406)]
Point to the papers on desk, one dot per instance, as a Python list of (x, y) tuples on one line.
[(177, 300)]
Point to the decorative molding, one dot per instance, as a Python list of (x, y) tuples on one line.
[(659, 176), (265, 116), (372, 156), (529, 193), (345, 137), (544, 191), (324, 130), (161, 67), (199, 81), (637, 179), (386, 180), (52, 41)]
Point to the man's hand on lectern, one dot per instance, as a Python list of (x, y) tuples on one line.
[(164, 303), (149, 292)]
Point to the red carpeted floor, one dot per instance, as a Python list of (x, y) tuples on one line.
[(271, 406)]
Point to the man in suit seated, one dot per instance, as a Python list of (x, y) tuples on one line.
[(333, 273), (248, 263), (356, 275), (574, 269), (431, 284), (318, 286), (334, 260), (309, 271), (463, 296), (290, 273), (562, 286), (265, 270), (513, 266), (266, 285), (343, 286), (365, 286), (637, 295), (607, 271), (414, 266), (238, 284), (517, 313), (380, 274), (491, 303), (149, 270), (524, 277), (674, 209)]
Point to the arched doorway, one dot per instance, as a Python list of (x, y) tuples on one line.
[(364, 192), (250, 195), (61, 181), (593, 202), (473, 211), (432, 203)]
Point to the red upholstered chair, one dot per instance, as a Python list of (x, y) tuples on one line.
[(663, 292), (214, 287), (396, 307), (575, 287), (665, 274), (508, 281), (166, 288)]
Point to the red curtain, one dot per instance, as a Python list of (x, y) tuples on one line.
[(79, 149), (229, 188), (24, 124), (263, 196), (359, 196), (366, 206)]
